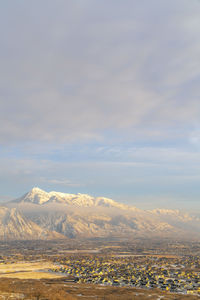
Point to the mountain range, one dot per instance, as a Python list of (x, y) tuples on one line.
[(53, 215)]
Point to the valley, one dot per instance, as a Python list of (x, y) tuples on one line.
[(100, 269)]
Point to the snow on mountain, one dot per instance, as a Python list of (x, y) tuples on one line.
[(40, 197), (14, 226), (160, 211), (81, 215)]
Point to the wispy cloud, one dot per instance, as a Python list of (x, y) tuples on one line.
[(62, 182), (78, 74), (100, 96)]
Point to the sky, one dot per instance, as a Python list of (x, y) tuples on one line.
[(101, 97)]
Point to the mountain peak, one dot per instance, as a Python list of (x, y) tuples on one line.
[(36, 189), (35, 195), (40, 197)]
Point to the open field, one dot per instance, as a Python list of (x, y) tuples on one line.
[(27, 270), (58, 289), (30, 275)]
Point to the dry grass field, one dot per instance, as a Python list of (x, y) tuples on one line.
[(30, 275), (59, 289)]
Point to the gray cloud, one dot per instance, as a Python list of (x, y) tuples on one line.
[(101, 97), (71, 71)]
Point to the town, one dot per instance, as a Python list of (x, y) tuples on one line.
[(174, 274)]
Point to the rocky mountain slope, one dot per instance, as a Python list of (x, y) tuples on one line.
[(14, 226), (81, 215)]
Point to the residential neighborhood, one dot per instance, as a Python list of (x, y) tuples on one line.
[(173, 274)]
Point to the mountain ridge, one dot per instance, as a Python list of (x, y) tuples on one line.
[(85, 216), (41, 197)]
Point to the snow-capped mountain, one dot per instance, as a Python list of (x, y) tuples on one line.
[(40, 197), (14, 226), (81, 215)]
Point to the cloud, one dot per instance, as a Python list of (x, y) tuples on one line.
[(115, 172), (100, 97), (77, 71), (62, 182)]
